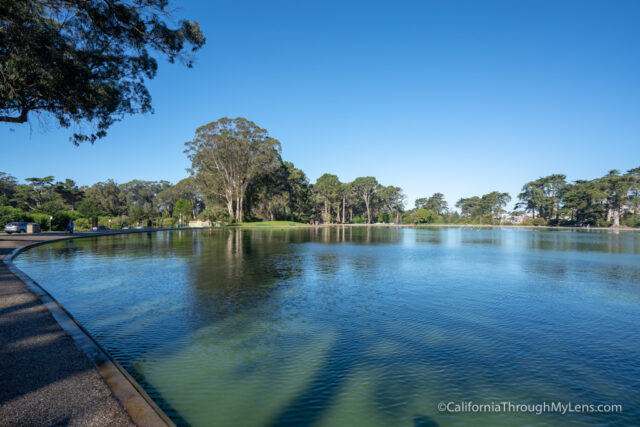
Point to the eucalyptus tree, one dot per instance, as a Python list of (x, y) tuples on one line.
[(327, 192), (267, 195), (226, 155), (85, 61), (141, 197), (187, 188), (89, 208), (110, 197), (366, 188), (299, 193)]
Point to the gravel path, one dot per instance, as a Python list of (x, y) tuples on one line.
[(44, 378)]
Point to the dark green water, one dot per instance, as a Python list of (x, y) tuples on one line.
[(361, 326)]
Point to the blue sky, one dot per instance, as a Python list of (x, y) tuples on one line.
[(460, 97)]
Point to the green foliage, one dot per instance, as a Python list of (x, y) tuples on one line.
[(631, 221), (85, 61), (216, 214), (9, 214), (182, 207), (82, 224), (490, 204), (168, 222), (42, 219), (136, 214), (435, 203), (89, 208), (538, 222), (60, 221), (215, 155), (358, 219), (50, 208)]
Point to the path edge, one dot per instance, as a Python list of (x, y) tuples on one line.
[(142, 410)]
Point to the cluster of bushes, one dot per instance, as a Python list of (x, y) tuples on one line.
[(60, 219)]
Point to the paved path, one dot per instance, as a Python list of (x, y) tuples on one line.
[(44, 378)]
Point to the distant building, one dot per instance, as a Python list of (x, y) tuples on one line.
[(513, 217), (199, 223)]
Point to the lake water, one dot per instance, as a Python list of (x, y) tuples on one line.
[(361, 326)]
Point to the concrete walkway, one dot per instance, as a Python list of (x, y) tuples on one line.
[(44, 378)]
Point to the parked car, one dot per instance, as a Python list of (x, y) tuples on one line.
[(15, 227), (125, 227), (99, 228)]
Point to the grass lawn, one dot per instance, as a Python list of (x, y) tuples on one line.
[(267, 224)]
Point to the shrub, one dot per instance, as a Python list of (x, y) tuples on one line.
[(357, 220), (215, 214), (82, 224), (42, 219), (60, 221), (168, 222), (9, 214), (539, 222)]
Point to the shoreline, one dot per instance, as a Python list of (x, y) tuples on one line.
[(126, 401), (518, 227)]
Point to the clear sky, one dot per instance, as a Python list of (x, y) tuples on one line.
[(460, 97)]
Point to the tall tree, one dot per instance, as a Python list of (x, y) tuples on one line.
[(111, 198), (543, 195), (616, 187), (85, 61), (69, 192), (298, 189), (8, 186), (470, 206), (366, 188), (327, 191), (493, 203), (392, 199), (42, 188), (226, 155), (634, 176), (435, 203), (582, 201)]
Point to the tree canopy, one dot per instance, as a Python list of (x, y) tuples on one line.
[(85, 61), (226, 155)]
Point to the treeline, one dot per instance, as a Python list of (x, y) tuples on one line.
[(50, 202), (238, 175)]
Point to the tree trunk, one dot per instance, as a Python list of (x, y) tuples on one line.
[(344, 206), (615, 218), (366, 202)]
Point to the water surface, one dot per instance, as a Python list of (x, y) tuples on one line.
[(360, 326)]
